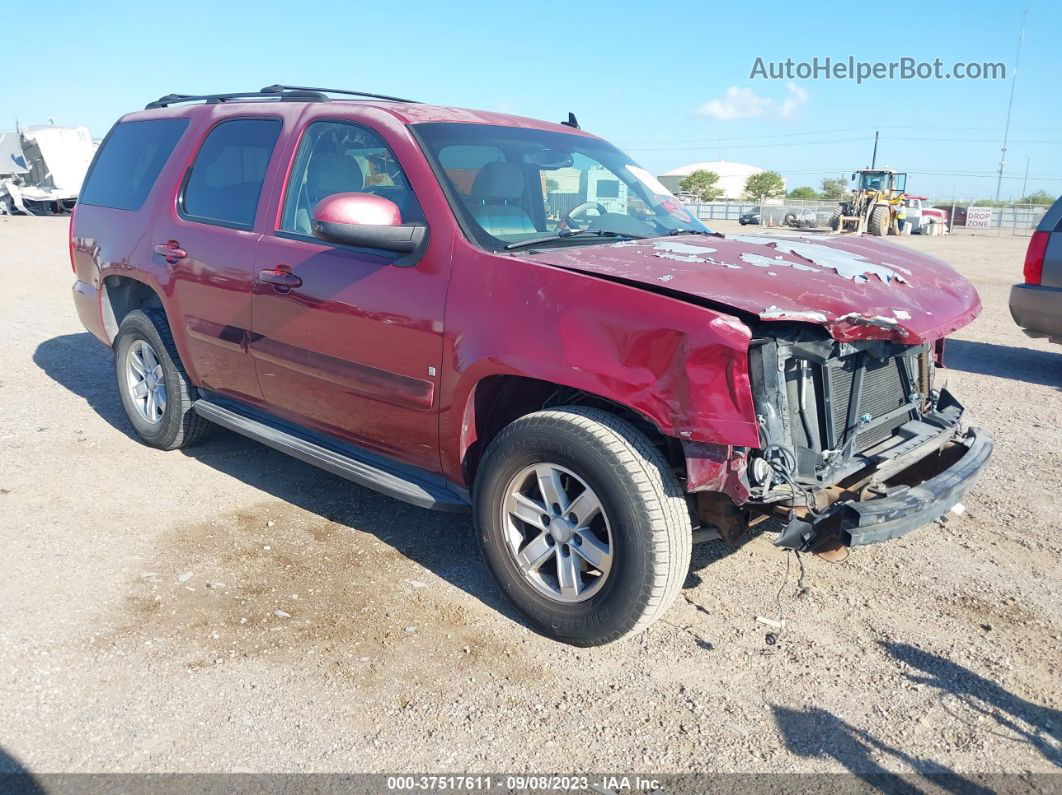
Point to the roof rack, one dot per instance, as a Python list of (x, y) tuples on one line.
[(272, 89), (278, 92), (211, 99)]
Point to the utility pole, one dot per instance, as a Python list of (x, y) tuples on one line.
[(1010, 105), (874, 157), (1025, 182)]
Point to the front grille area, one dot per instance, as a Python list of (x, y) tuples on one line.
[(884, 390)]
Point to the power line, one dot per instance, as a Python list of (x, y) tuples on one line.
[(745, 146), (868, 130), (1010, 103)]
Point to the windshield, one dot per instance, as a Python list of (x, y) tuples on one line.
[(511, 184)]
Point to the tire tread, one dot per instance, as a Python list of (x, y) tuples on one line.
[(659, 492), (192, 427)]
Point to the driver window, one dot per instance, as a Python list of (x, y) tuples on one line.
[(340, 157)]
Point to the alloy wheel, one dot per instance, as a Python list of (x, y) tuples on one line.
[(145, 381), (557, 532)]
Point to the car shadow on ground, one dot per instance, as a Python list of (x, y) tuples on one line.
[(440, 542), (84, 366), (814, 733), (15, 778), (1041, 727), (1005, 361)]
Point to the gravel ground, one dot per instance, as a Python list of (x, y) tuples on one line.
[(229, 608)]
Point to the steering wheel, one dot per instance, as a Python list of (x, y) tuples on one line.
[(580, 209)]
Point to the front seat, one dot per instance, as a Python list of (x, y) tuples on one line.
[(495, 186), (327, 173)]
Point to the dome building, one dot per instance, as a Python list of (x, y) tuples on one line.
[(732, 176)]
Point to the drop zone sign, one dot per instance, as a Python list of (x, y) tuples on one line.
[(979, 217)]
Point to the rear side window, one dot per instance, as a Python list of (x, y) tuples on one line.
[(129, 162), (225, 181)]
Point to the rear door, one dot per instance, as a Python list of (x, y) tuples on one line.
[(352, 351), (206, 239)]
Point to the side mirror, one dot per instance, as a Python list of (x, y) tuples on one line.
[(362, 219)]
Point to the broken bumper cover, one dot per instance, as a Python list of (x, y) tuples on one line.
[(915, 506), (906, 509)]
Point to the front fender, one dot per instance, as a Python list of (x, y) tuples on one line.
[(682, 366)]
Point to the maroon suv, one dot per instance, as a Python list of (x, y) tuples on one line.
[(468, 310)]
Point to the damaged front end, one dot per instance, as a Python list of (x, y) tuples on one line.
[(857, 444)]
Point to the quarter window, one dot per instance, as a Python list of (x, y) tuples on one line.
[(340, 157), (129, 163), (226, 179)]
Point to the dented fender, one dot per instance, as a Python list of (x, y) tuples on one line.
[(681, 366)]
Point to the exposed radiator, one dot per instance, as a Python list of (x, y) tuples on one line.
[(883, 391)]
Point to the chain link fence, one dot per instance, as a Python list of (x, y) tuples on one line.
[(962, 216), (793, 213), (972, 217)]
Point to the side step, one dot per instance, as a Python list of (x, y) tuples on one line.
[(361, 467)]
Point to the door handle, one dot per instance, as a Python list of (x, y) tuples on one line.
[(170, 251), (280, 277)]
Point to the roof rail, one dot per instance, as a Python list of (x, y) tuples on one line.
[(278, 88), (283, 94)]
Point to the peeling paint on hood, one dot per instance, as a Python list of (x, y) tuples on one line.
[(857, 287), (681, 252), (761, 261), (774, 313), (848, 264)]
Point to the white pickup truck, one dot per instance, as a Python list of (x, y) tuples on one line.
[(923, 219)]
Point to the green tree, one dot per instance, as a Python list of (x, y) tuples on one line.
[(703, 185), (1040, 197), (803, 192), (765, 185), (834, 189)]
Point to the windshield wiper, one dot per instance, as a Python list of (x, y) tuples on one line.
[(532, 241)]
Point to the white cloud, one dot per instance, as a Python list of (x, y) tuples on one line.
[(797, 97), (744, 103)]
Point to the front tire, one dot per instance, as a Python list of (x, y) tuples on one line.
[(880, 220), (155, 390), (582, 523)]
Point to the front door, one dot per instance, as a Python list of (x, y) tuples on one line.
[(353, 348)]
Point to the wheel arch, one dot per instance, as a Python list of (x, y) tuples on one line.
[(497, 399), (120, 295)]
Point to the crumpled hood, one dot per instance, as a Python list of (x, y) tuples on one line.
[(857, 287)]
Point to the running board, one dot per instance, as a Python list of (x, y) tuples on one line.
[(359, 469)]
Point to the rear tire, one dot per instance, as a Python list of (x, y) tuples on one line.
[(640, 535), (880, 220), (162, 417)]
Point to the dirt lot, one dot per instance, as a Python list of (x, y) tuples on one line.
[(139, 590)]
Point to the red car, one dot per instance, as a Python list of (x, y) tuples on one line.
[(474, 311)]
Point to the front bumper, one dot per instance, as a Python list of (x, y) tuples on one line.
[(903, 509), (1037, 310)]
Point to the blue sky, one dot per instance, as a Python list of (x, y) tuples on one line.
[(667, 82)]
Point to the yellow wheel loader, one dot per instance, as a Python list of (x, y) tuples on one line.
[(871, 208)]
